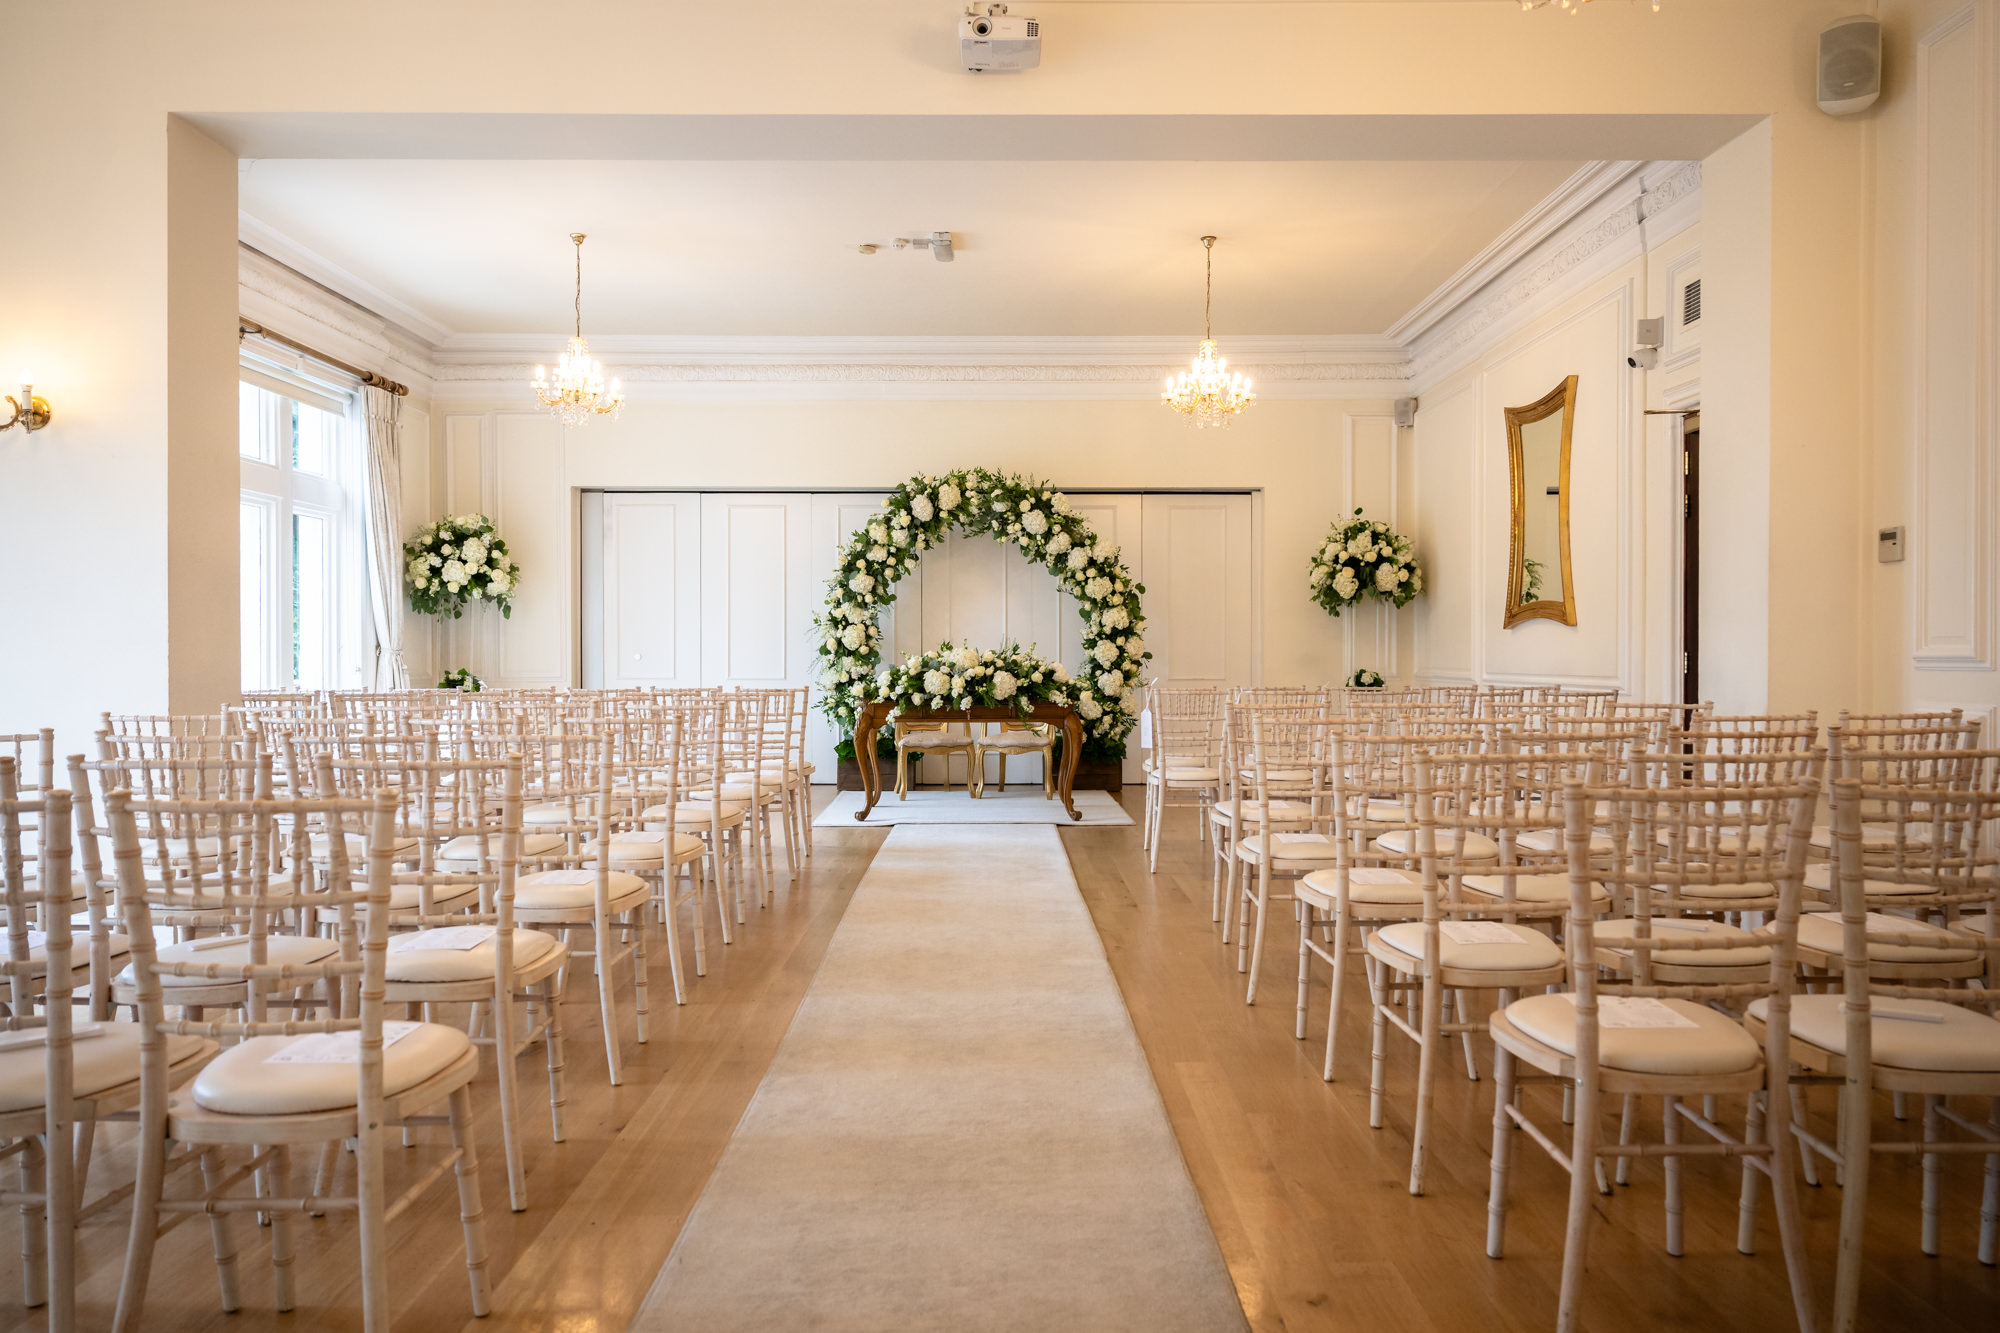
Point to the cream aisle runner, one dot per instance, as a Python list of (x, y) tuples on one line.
[(958, 1132)]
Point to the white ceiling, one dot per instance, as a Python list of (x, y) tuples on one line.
[(769, 247)]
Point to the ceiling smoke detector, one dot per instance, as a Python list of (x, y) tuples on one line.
[(937, 242)]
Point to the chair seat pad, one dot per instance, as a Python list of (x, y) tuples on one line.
[(1715, 1044), (1610, 933), (1728, 892), (79, 951), (1365, 884), (1294, 849), (99, 1062), (465, 851), (1292, 775), (1962, 1041), (1972, 923), (935, 740), (1530, 950), (1543, 890), (1556, 840), (279, 951), (1823, 933), (1017, 740), (736, 793), (474, 964), (770, 779), (1224, 812), (1876, 837), (177, 848), (1819, 878), (1191, 776), (241, 1081), (646, 847), (1174, 761), (697, 814), (403, 897), (1379, 810), (357, 846), (1478, 847), (554, 812), (547, 890)]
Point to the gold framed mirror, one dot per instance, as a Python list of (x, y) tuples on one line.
[(1538, 457)]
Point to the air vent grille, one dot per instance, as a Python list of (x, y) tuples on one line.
[(1691, 303), (1034, 28)]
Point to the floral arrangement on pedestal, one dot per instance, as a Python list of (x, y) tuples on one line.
[(1364, 679), (458, 559), (462, 679), (1039, 520), (1364, 558)]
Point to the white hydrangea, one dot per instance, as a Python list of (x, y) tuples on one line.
[(1061, 673), (935, 681), (1111, 682), (878, 553), (1059, 543), (1385, 578), (473, 552), (948, 497), (1004, 685), (454, 573), (1319, 576), (1078, 558), (854, 636), (920, 505), (500, 582), (862, 583), (1035, 522), (1117, 618), (1361, 545), (877, 532), (1345, 585), (1136, 646), (1088, 709), (1104, 550), (1106, 652), (1097, 589)]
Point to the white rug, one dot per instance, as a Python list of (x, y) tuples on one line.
[(958, 1132), (1021, 806)]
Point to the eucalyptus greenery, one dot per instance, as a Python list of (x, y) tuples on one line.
[(1039, 520)]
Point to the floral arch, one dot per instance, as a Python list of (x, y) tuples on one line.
[(1039, 520)]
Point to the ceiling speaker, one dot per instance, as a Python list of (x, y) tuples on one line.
[(1850, 65), (1406, 411)]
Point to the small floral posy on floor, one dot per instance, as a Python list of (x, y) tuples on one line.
[(1364, 679), (458, 559), (461, 679), (1363, 558)]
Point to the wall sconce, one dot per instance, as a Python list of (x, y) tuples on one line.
[(28, 412)]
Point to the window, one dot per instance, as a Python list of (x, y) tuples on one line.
[(303, 579)]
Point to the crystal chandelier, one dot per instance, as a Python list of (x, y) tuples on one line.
[(1208, 394), (578, 392), (1573, 6)]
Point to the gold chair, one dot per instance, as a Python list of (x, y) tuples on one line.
[(933, 738), (1013, 740)]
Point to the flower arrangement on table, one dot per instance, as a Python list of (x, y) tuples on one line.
[(959, 676), (917, 516), (458, 559), (1364, 679), (1364, 558), (461, 678)]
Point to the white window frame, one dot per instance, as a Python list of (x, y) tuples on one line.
[(285, 493)]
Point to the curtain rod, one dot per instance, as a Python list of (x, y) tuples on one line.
[(368, 377)]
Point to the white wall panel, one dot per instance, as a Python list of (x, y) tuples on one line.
[(1200, 605), (1954, 474), (530, 505), (652, 590), (1446, 533), (1369, 459), (758, 593)]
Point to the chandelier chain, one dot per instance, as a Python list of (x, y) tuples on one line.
[(577, 392)]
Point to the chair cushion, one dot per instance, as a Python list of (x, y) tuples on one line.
[(646, 847), (1543, 890), (1530, 949), (1365, 884), (1609, 933), (1823, 933), (1017, 740), (1972, 923), (1294, 848), (465, 850), (1478, 847), (1876, 837), (177, 848), (100, 1062), (551, 890), (696, 814), (1174, 761), (408, 960), (1715, 1044), (1727, 892), (79, 950), (555, 812), (242, 1081), (357, 846), (1819, 878), (1957, 1041), (1556, 840), (933, 740), (279, 950), (1191, 776), (402, 897), (1292, 775), (737, 793), (1378, 809), (769, 779), (1225, 811)]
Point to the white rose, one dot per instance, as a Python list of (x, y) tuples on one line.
[(920, 505), (948, 497), (1345, 585), (937, 701), (1004, 685), (1106, 652), (1402, 576), (500, 582)]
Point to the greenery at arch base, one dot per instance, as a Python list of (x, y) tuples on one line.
[(1040, 520)]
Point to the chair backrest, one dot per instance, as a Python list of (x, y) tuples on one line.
[(47, 905), (43, 743)]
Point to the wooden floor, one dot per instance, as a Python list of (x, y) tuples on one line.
[(1308, 1202)]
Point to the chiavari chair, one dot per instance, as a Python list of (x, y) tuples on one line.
[(1232, 811), (1603, 1039), (1184, 768), (1291, 761), (292, 1082), (1928, 1040), (693, 807)]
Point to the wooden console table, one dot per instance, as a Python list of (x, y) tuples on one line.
[(875, 715)]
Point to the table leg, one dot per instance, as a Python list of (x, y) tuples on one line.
[(1072, 755), (865, 728)]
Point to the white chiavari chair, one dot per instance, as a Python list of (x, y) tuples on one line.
[(1184, 768), (1233, 811), (1291, 762), (1603, 1039), (291, 1083)]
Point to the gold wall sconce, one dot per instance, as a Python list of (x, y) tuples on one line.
[(29, 412)]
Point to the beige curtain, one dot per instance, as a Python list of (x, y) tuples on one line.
[(380, 414)]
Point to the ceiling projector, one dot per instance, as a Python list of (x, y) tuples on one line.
[(989, 40)]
